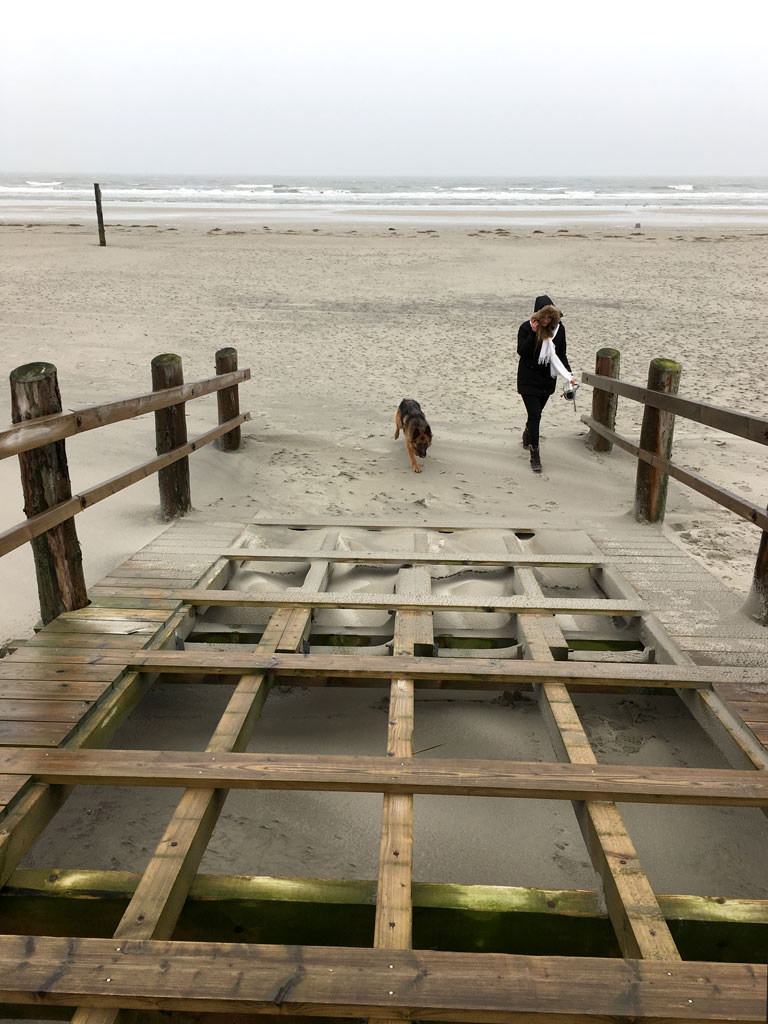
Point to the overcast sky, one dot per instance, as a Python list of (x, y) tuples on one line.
[(357, 88)]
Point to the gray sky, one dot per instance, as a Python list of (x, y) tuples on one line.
[(337, 87)]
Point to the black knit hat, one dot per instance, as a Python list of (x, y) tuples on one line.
[(541, 301)]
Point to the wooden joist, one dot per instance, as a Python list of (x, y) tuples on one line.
[(483, 671), (294, 598), (465, 777), (160, 895), (437, 558), (637, 918), (349, 982)]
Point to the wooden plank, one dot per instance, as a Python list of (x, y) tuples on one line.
[(636, 916), (33, 734), (88, 885), (42, 710), (394, 907), (467, 777), (13, 669), (748, 510), (33, 527), (484, 673), (155, 906), (495, 988), (741, 424), (407, 558), (51, 690), (291, 598), (477, 670), (46, 429)]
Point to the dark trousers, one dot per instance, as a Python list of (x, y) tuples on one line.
[(534, 404)]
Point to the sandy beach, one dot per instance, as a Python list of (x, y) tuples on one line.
[(339, 321)]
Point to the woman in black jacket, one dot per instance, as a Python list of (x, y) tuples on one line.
[(542, 351)]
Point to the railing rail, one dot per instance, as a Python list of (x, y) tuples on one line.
[(661, 405), (26, 531), (741, 424), (31, 434), (37, 438)]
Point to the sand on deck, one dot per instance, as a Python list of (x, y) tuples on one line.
[(338, 322)]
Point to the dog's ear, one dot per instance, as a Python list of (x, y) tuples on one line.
[(429, 430)]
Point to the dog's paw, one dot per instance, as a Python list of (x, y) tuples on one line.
[(417, 469)]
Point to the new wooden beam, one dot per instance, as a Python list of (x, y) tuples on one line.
[(465, 777)]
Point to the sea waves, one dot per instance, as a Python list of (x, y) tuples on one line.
[(390, 193)]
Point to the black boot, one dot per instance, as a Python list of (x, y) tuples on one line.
[(526, 438), (535, 460)]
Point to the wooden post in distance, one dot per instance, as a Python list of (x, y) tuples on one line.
[(604, 404), (656, 436), (228, 400), (45, 481), (99, 214), (170, 432)]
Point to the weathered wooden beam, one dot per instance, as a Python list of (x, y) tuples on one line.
[(636, 916), (604, 403), (32, 433), (748, 510), (46, 486), (741, 424), (171, 433), (465, 777), (656, 435), (495, 988), (155, 907), (393, 928), (228, 399), (392, 602), (99, 214), (439, 558), (17, 535), (477, 670)]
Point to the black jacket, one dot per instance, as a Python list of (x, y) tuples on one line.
[(534, 378)]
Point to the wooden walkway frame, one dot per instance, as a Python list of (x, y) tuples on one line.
[(88, 668)]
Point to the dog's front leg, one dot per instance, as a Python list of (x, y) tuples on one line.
[(414, 463)]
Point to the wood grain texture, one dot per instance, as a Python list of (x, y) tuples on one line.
[(495, 988)]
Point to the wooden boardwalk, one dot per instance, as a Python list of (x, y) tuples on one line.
[(68, 688)]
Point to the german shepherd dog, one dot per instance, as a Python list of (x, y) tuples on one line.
[(418, 434)]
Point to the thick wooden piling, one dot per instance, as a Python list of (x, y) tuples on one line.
[(228, 399), (170, 433), (757, 604), (45, 481), (99, 214), (604, 404), (656, 436)]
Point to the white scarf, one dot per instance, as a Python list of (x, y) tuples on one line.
[(548, 356)]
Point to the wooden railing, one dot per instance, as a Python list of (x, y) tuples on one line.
[(37, 438), (660, 406)]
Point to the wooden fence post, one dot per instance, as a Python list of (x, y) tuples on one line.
[(604, 404), (656, 436), (228, 400), (99, 214), (170, 432), (757, 603), (45, 481)]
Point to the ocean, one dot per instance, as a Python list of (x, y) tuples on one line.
[(45, 192)]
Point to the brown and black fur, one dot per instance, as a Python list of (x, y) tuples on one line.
[(418, 434)]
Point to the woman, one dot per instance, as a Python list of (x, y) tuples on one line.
[(541, 347)]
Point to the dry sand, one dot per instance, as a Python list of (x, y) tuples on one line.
[(338, 323), (341, 321)]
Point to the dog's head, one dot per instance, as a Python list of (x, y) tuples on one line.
[(421, 439)]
